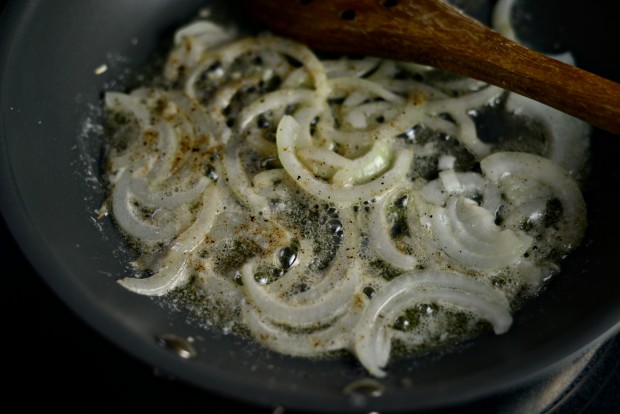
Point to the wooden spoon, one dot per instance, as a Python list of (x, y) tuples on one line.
[(432, 32)]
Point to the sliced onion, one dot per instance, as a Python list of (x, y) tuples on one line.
[(172, 272), (277, 99), (286, 136), (305, 117), (321, 283), (168, 145), (345, 260), (191, 42), (366, 167), (225, 93), (350, 139), (372, 333), (130, 221), (467, 233), (530, 212), (167, 197), (360, 84), (322, 162), (446, 162), (280, 45), (361, 116), (380, 239), (469, 184), (350, 67), (316, 313), (332, 338), (458, 108), (121, 102), (237, 179), (417, 91), (500, 166)]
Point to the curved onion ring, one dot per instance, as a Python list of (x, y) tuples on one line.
[(380, 239), (497, 167), (332, 338), (168, 197), (469, 184), (467, 233), (316, 313), (230, 52), (191, 42), (372, 333), (458, 108), (286, 136), (172, 272), (130, 221)]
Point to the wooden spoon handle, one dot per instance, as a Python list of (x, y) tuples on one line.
[(434, 33)]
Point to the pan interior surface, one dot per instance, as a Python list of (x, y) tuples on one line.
[(57, 58)]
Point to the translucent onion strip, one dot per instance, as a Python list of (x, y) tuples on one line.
[(226, 55), (379, 235), (324, 281), (132, 221), (358, 85), (372, 333), (167, 197), (316, 313), (334, 337), (172, 271), (288, 129), (366, 167), (350, 67), (458, 108), (277, 99), (191, 42), (239, 182), (121, 102), (344, 261), (497, 167), (469, 184), (467, 233)]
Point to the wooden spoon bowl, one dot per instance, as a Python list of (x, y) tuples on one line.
[(432, 32)]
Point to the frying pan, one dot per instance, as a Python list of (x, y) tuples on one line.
[(50, 153)]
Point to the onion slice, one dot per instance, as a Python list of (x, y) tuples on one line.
[(313, 314), (372, 333), (533, 168), (467, 233), (288, 129), (380, 239), (172, 271)]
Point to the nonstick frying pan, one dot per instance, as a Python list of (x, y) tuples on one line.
[(50, 149)]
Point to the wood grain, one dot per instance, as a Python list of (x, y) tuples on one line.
[(434, 33)]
